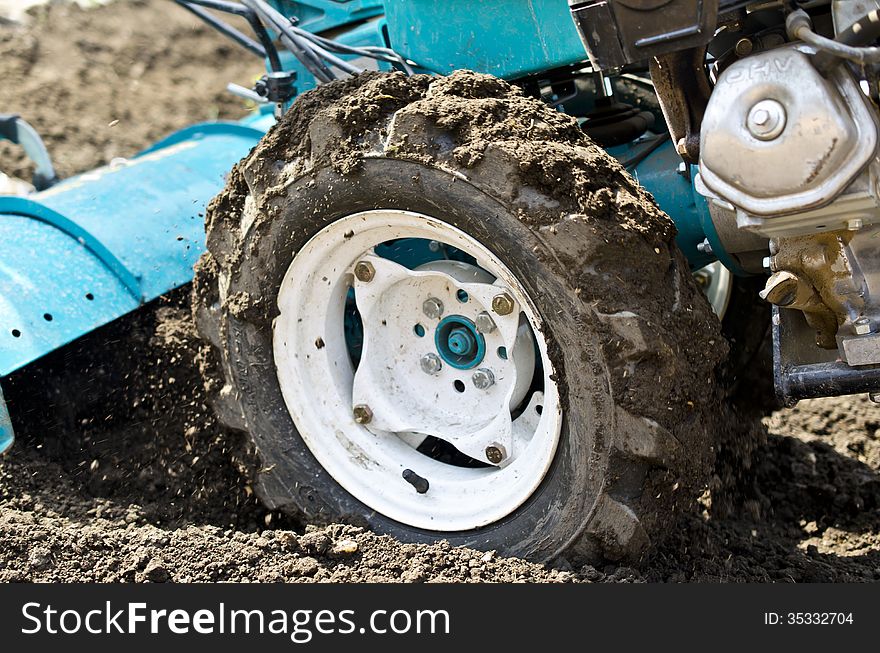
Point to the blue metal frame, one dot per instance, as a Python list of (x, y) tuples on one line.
[(97, 246), (507, 38)]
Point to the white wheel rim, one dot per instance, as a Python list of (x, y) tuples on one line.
[(321, 386), (716, 282)]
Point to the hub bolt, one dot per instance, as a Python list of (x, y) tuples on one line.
[(363, 414), (431, 364), (432, 308), (483, 379), (484, 323), (502, 304), (364, 271), (495, 453)]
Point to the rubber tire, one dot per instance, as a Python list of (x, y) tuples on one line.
[(632, 451)]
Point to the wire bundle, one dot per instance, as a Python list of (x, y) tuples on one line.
[(317, 54)]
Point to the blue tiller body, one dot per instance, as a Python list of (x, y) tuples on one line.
[(99, 245)]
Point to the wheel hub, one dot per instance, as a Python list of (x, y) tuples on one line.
[(458, 342), (435, 355)]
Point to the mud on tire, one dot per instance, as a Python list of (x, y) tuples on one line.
[(634, 342)]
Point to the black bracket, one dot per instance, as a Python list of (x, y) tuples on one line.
[(277, 87)]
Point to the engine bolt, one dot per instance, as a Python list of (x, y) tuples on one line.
[(744, 47), (363, 414), (432, 308), (766, 120), (502, 304), (495, 453), (431, 364), (484, 323), (364, 271), (483, 379), (862, 326)]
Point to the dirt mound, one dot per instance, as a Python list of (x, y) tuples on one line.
[(138, 485), (104, 83)]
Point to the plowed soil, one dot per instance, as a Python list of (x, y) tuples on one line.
[(121, 473)]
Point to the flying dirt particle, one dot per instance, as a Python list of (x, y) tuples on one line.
[(94, 466), (113, 123), (345, 547)]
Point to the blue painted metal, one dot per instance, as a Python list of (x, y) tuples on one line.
[(507, 38), (97, 246), (659, 174), (319, 16), (459, 343)]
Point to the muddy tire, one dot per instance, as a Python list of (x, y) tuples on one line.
[(631, 344)]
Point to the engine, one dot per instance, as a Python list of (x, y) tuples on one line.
[(777, 110)]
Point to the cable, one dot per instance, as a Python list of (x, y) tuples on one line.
[(644, 153), (225, 29), (237, 9), (296, 44), (800, 27), (316, 53)]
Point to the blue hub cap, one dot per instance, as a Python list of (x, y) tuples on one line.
[(458, 342)]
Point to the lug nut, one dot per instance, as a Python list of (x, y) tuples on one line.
[(495, 453), (363, 414), (862, 326), (432, 308), (502, 304), (483, 379), (484, 323), (431, 364), (364, 271)]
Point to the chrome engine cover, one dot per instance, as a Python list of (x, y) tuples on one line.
[(779, 138)]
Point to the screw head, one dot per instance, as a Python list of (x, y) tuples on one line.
[(364, 271), (744, 47), (363, 414), (502, 304), (430, 363), (495, 453), (484, 323), (432, 308), (766, 120), (483, 379), (862, 326)]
